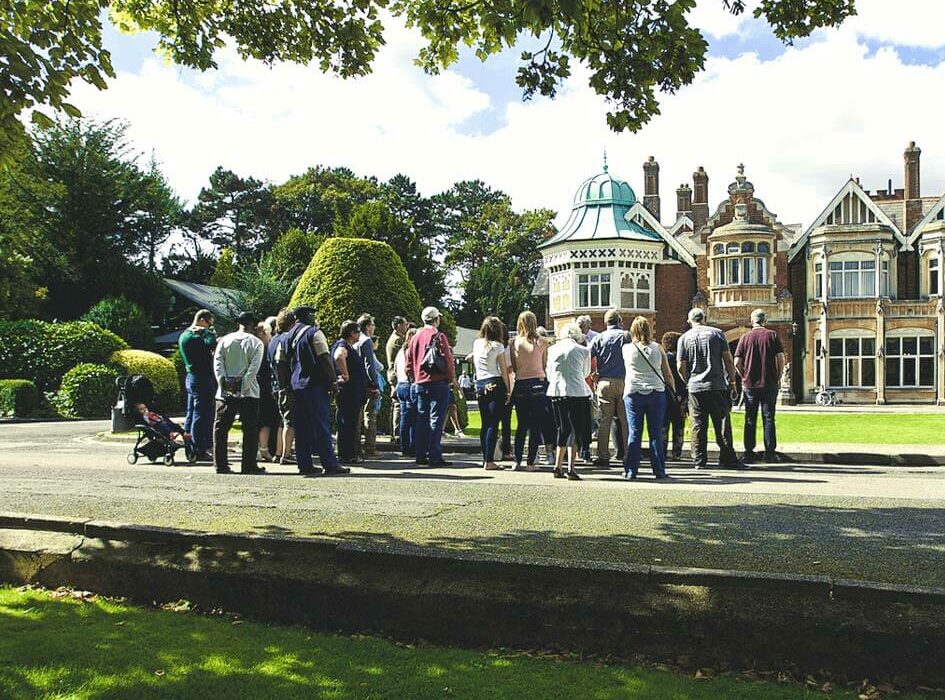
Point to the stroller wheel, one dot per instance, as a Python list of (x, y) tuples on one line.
[(132, 458), (191, 455), (168, 460)]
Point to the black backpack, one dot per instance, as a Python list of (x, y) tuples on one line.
[(434, 362)]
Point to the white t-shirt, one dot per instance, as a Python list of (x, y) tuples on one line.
[(486, 354), (400, 365), (641, 377)]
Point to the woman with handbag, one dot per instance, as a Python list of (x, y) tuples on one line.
[(492, 386), (649, 385), (529, 352)]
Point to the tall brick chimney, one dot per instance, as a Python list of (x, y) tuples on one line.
[(683, 201), (651, 187), (912, 195), (700, 198)]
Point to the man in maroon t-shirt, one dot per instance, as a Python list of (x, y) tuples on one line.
[(759, 359), (433, 389)]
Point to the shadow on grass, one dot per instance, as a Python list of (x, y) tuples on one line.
[(67, 648)]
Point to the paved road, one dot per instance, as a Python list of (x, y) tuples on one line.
[(865, 522)]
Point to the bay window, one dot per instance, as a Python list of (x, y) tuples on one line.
[(735, 264), (593, 290), (857, 278)]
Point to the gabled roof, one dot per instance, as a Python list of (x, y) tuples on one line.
[(638, 211), (852, 187), (683, 220), (219, 300), (936, 212)]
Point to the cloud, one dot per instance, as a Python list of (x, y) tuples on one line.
[(802, 123), (913, 23)]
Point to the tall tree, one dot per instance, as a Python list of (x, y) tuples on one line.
[(631, 48), (160, 212), (232, 212)]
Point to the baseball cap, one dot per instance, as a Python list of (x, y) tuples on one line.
[(429, 314)]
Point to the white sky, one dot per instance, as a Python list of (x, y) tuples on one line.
[(802, 121)]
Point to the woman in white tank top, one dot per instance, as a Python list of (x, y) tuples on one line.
[(648, 384)]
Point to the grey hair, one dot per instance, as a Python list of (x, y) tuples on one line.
[(760, 317), (572, 331), (697, 315), (583, 321)]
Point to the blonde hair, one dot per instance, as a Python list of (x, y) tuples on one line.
[(527, 326), (640, 330), (572, 331)]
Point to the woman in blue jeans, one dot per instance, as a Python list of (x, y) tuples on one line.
[(649, 379), (529, 353), (406, 397), (492, 386)]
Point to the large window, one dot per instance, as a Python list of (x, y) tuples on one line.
[(747, 263), (910, 361), (593, 290), (852, 362), (635, 291), (857, 278), (933, 275)]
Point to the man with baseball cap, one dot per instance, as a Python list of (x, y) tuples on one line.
[(303, 362), (430, 366), (235, 363)]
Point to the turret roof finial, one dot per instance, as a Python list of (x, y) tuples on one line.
[(605, 160), (741, 168)]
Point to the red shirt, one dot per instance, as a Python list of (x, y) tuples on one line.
[(418, 348), (759, 349)]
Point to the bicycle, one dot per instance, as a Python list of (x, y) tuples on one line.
[(827, 397)]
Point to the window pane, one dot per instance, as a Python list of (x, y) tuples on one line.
[(853, 374), (733, 247), (851, 265), (643, 282), (836, 372), (926, 346), (643, 300), (868, 284), (836, 266), (718, 249), (926, 371), (626, 299), (748, 247), (851, 287), (851, 346), (868, 347), (868, 265), (892, 346), (836, 347), (836, 284), (909, 346), (733, 271), (762, 270), (595, 295), (747, 271), (908, 372), (766, 248), (605, 295), (892, 371), (868, 366)]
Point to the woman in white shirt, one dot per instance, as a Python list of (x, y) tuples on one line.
[(649, 378), (569, 365), (492, 385), (406, 397)]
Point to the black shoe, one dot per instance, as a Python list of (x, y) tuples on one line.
[(310, 471), (700, 465), (749, 457), (737, 464), (351, 460), (336, 471), (441, 463), (775, 458), (573, 476), (204, 457), (663, 477), (677, 456), (225, 470), (601, 462), (422, 462), (559, 473), (255, 470)]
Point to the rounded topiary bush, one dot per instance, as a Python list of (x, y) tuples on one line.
[(160, 370), (123, 318), (87, 390), (43, 352), (18, 397), (350, 276)]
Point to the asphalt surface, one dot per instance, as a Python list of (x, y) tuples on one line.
[(862, 522)]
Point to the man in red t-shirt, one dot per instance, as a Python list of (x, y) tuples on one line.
[(433, 389), (759, 359)]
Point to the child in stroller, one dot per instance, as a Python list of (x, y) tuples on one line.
[(158, 435)]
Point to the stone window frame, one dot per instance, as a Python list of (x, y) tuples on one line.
[(852, 351), (733, 260), (846, 272), (634, 289), (920, 355)]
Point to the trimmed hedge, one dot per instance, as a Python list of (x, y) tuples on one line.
[(158, 369), (18, 397), (87, 391), (43, 352), (123, 318), (350, 276)]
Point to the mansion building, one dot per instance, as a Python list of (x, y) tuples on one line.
[(856, 298)]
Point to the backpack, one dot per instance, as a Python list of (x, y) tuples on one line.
[(434, 362)]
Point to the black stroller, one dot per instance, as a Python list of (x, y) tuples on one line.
[(151, 442)]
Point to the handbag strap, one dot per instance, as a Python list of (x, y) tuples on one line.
[(647, 360)]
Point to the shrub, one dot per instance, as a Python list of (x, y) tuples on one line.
[(349, 276), (18, 397), (123, 318), (88, 390), (42, 352), (159, 370)]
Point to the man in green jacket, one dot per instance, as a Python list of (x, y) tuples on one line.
[(196, 348)]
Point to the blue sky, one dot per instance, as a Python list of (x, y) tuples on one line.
[(802, 118)]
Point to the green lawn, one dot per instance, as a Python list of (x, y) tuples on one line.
[(826, 426), (58, 646)]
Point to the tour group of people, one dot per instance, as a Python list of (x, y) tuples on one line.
[(281, 375)]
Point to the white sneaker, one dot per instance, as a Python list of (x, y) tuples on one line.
[(460, 434)]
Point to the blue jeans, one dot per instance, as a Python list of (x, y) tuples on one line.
[(652, 406), (432, 404), (492, 410), (313, 427), (201, 409), (530, 406), (407, 398), (767, 398)]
